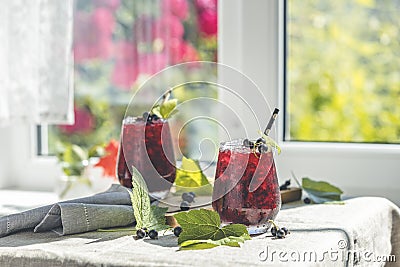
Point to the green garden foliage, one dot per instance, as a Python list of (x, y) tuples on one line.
[(344, 70)]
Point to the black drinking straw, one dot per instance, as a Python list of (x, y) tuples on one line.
[(271, 121)]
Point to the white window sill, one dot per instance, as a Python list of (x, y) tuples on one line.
[(14, 200)]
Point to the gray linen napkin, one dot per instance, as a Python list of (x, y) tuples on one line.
[(111, 208)]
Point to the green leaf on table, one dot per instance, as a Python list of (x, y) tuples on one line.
[(140, 199), (151, 217), (202, 229), (270, 142), (232, 241), (157, 220), (189, 177), (321, 192)]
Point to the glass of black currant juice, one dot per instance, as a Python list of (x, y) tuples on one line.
[(146, 143), (246, 188)]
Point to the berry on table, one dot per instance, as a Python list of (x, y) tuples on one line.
[(145, 230), (273, 230), (177, 231), (307, 200), (185, 206), (285, 230), (285, 185), (280, 234), (140, 233), (153, 234)]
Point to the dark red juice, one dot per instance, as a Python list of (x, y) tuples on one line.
[(147, 146), (246, 188)]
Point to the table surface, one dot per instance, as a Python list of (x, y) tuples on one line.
[(321, 235)]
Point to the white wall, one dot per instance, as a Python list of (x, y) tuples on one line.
[(5, 159), (19, 166)]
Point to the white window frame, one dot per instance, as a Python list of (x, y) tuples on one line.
[(256, 49), (250, 40)]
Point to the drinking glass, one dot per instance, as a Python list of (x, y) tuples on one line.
[(246, 188), (147, 145)]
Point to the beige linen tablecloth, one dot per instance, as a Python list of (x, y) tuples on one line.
[(363, 232)]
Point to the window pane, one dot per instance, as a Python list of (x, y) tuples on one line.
[(118, 44), (343, 70)]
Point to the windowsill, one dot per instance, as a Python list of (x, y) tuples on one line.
[(342, 148), (15, 200)]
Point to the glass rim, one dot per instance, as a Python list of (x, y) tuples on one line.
[(134, 119), (237, 145)]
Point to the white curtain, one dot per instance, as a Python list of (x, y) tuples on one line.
[(36, 61)]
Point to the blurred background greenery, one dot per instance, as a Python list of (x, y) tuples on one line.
[(118, 44), (343, 76), (343, 81)]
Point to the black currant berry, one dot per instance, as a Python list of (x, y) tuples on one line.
[(154, 117), (145, 230), (140, 233), (193, 194), (185, 206), (307, 200), (187, 197), (273, 230), (285, 230), (177, 231), (280, 234), (153, 234), (146, 115), (246, 142), (262, 148), (251, 144), (260, 140)]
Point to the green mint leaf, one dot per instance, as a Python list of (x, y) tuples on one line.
[(168, 107), (156, 110), (203, 225), (151, 217), (189, 177), (320, 191), (232, 241), (271, 142)]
